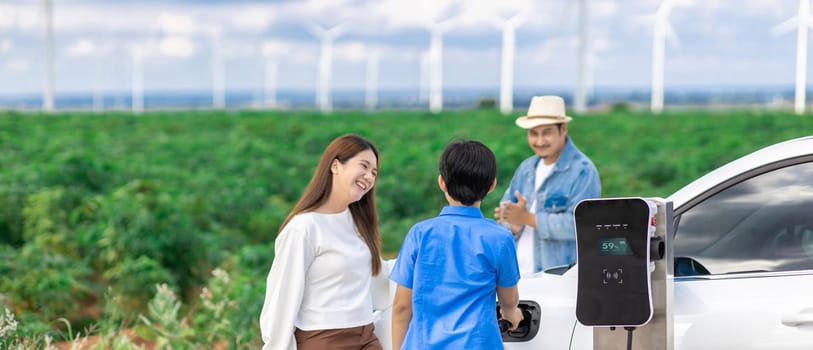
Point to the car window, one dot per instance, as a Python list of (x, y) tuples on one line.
[(762, 224)]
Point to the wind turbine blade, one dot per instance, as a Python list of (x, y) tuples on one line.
[(808, 20), (519, 18), (785, 26), (316, 30), (447, 24), (427, 23), (338, 30), (664, 9)]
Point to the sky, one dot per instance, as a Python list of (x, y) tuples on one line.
[(718, 44)]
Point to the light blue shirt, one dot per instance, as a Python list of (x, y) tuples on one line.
[(573, 178), (453, 263)]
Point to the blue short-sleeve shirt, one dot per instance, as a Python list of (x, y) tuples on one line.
[(453, 263)]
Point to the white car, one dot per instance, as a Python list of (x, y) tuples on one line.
[(743, 267)]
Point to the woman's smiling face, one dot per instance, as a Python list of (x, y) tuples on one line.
[(356, 176)]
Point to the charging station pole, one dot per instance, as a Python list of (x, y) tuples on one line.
[(657, 334)]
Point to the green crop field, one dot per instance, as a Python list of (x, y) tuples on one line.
[(158, 229)]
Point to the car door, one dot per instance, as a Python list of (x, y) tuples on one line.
[(744, 262)]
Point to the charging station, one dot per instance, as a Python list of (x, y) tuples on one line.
[(624, 255)]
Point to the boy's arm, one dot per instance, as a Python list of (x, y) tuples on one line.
[(401, 315), (508, 299)]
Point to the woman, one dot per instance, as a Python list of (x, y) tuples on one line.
[(327, 251)]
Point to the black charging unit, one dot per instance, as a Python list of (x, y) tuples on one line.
[(616, 248)]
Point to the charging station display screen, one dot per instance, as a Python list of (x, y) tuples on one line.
[(614, 246)]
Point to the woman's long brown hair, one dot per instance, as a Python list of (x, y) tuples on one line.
[(365, 214)]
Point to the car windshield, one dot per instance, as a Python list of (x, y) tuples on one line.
[(761, 224)]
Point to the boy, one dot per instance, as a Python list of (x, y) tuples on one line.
[(450, 266)]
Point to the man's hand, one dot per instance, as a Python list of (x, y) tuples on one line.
[(515, 214), (498, 215)]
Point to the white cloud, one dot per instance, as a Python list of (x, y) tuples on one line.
[(173, 24), (252, 19), (7, 16), (6, 45), (28, 17), (83, 47), (252, 29), (177, 46), (355, 51), (239, 48), (17, 65), (281, 50), (777, 10), (547, 50), (604, 9), (274, 48)]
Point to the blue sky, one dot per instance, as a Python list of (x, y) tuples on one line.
[(722, 44)]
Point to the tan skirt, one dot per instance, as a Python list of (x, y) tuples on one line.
[(356, 338)]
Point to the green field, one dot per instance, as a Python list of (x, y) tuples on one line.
[(96, 210)]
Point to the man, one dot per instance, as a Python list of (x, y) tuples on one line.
[(538, 204)]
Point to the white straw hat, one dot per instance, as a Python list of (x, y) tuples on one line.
[(544, 110)]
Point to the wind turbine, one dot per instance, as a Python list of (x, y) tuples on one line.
[(48, 92), (801, 21), (436, 30), (326, 36), (662, 29), (580, 97), (371, 85), (509, 29)]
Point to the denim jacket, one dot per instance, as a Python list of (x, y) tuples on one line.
[(573, 178)]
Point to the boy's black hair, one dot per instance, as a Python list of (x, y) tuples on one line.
[(468, 168)]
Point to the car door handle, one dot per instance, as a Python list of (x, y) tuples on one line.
[(803, 318)]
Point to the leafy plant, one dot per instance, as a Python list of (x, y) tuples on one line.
[(162, 321)]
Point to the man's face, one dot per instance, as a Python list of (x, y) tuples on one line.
[(547, 141)]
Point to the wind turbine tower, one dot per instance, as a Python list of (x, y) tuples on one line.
[(662, 29), (326, 36), (801, 21), (48, 92), (436, 69), (436, 30), (509, 29)]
